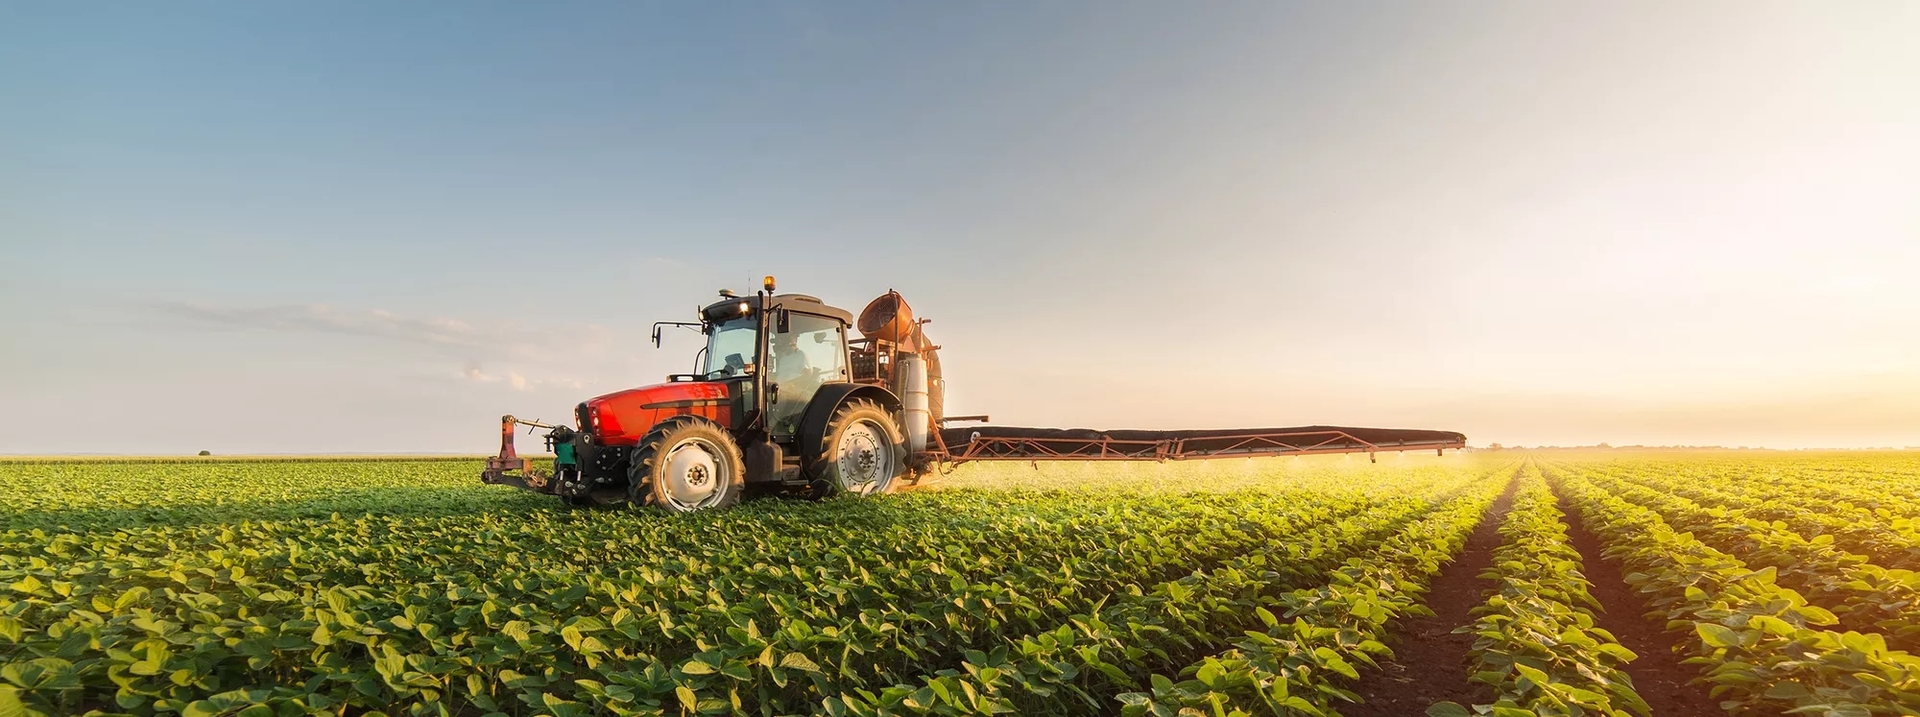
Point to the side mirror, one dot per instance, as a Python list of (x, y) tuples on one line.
[(782, 322), (656, 336)]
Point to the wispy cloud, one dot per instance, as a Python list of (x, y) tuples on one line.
[(471, 345), (495, 340), (517, 380)]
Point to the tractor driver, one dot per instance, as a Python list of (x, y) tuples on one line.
[(790, 365), (796, 378)]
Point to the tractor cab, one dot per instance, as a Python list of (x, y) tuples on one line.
[(785, 347)]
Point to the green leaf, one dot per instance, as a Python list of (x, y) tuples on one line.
[(10, 705), (131, 596), (1716, 635), (797, 661), (687, 699), (1787, 691), (1817, 616), (1297, 703), (1448, 709), (1617, 651)]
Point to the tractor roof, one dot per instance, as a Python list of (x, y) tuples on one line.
[(812, 305), (793, 302)]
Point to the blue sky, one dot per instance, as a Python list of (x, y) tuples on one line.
[(376, 227)]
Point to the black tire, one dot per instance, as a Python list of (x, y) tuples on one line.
[(660, 474), (862, 452)]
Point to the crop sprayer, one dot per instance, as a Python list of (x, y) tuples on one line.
[(782, 398)]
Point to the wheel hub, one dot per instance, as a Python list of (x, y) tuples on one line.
[(865, 459), (693, 475)]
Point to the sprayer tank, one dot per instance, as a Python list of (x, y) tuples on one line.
[(918, 415)]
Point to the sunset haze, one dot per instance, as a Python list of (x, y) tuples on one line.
[(369, 227)]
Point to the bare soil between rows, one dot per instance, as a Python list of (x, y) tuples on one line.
[(1430, 662), (1657, 674)]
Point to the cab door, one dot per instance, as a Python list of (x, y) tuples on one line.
[(804, 352)]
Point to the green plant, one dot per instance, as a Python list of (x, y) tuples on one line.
[(1536, 643)]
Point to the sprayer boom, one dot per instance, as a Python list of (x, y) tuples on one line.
[(784, 398)]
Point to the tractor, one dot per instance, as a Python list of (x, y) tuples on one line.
[(780, 399)]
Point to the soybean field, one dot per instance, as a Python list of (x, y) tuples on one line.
[(1494, 583)]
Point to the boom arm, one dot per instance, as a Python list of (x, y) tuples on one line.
[(1004, 443)]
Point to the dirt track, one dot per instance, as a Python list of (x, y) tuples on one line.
[(1430, 662), (1657, 674)]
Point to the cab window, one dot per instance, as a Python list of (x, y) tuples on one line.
[(811, 352)]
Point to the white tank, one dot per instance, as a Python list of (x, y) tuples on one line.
[(912, 371)]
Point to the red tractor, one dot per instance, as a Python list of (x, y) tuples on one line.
[(781, 398)]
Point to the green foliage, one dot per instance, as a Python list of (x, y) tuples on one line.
[(1536, 643), (393, 588), (1312, 640), (1761, 645), (1761, 523)]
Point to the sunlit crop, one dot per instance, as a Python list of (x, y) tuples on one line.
[(408, 588), (1230, 587), (1765, 570)]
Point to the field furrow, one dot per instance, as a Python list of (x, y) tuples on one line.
[(1865, 597), (1760, 644), (1312, 641), (1861, 518), (465, 604), (1537, 645), (1240, 587)]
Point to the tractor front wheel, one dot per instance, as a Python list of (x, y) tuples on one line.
[(862, 452), (685, 464)]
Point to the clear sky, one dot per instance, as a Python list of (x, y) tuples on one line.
[(318, 227)]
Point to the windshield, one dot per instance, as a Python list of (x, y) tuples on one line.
[(731, 347)]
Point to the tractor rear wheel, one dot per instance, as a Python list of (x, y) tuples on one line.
[(686, 463), (861, 453)]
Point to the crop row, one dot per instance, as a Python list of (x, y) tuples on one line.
[(1863, 518), (1536, 643), (1310, 641), (1863, 595), (1760, 644), (91, 497), (777, 607), (1901, 468)]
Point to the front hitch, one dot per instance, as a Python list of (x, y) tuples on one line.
[(509, 468)]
